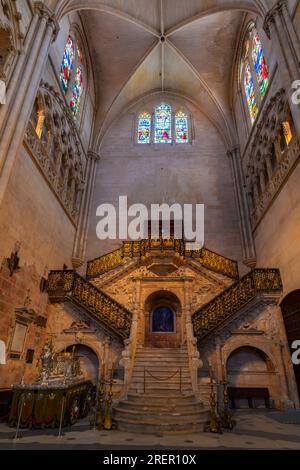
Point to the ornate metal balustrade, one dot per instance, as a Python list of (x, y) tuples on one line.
[(138, 249), (68, 286), (226, 304)]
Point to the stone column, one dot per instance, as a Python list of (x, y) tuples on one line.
[(80, 237), (279, 27), (249, 253), (45, 31)]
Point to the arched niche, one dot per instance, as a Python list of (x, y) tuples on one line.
[(251, 378), (89, 362), (162, 325)]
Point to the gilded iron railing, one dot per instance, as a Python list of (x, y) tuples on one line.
[(67, 285), (226, 304), (105, 263), (215, 262), (138, 249)]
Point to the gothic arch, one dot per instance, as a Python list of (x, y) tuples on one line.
[(63, 7), (168, 95), (233, 345)]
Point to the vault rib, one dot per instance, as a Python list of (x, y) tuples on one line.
[(94, 5), (202, 82)]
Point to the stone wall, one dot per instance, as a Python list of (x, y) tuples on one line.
[(259, 328), (190, 173), (13, 293)]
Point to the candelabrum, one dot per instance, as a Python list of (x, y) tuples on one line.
[(215, 423), (108, 415), (226, 417), (100, 403)]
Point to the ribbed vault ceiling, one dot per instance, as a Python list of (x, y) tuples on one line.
[(143, 46)]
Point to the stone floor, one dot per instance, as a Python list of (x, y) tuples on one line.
[(254, 430)]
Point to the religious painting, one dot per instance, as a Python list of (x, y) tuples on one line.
[(163, 320)]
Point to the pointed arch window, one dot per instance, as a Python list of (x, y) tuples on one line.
[(249, 91), (259, 63), (144, 128), (67, 64), (163, 124), (181, 128), (253, 71), (72, 72)]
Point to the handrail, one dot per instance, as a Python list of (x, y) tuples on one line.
[(138, 249), (236, 296), (163, 379), (68, 285)]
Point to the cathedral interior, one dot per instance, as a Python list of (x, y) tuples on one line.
[(165, 102)]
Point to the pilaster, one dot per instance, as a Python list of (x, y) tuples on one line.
[(248, 246)]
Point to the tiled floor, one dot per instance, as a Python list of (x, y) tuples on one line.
[(254, 430)]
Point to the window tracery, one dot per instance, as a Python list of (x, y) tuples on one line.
[(163, 127), (72, 74), (254, 73)]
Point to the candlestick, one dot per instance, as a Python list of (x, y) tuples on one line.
[(102, 370), (223, 373)]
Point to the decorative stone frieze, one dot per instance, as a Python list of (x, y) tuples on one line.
[(54, 143)]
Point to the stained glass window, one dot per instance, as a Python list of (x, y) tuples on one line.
[(144, 128), (77, 91), (163, 124), (259, 63), (67, 64), (249, 90), (181, 128)]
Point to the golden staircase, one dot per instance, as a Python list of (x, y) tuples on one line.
[(69, 286), (209, 317)]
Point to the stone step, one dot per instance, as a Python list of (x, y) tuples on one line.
[(162, 362), (161, 356), (164, 391), (163, 350), (164, 384), (171, 417), (151, 427), (161, 407), (160, 373), (158, 397)]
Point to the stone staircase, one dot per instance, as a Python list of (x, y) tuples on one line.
[(167, 405)]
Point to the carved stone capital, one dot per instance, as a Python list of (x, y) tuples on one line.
[(233, 152), (270, 16), (93, 156), (44, 12)]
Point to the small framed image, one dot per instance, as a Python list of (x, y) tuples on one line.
[(17, 340)]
